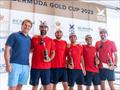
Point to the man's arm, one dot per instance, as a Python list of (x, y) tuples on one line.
[(116, 58), (7, 57), (52, 55), (83, 65)]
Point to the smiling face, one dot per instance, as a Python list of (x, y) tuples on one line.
[(73, 39), (58, 34), (26, 26), (88, 40), (103, 35), (43, 29)]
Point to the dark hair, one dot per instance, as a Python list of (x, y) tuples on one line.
[(27, 20)]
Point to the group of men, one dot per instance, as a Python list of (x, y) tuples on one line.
[(53, 60)]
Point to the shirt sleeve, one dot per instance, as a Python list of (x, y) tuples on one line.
[(53, 45), (11, 40), (32, 43), (114, 49), (81, 50)]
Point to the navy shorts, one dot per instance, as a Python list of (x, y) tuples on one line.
[(75, 76), (36, 74), (92, 77), (58, 75), (106, 74)]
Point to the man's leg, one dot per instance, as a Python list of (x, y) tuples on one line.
[(71, 88), (102, 85), (12, 88), (65, 85), (46, 87), (96, 87), (34, 87), (34, 78), (111, 85), (45, 79), (80, 87), (111, 79), (13, 76), (87, 87), (19, 87), (53, 86)]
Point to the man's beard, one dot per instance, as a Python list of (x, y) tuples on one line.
[(43, 32), (73, 42), (102, 38), (58, 37)]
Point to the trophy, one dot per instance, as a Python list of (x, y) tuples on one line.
[(71, 59), (45, 52), (95, 60), (110, 63)]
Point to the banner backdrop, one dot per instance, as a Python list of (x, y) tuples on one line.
[(69, 15)]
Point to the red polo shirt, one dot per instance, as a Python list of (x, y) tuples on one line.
[(59, 60), (107, 47), (76, 53), (89, 54), (38, 49)]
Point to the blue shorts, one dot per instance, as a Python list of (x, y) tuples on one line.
[(18, 75), (58, 75), (36, 74), (92, 77), (75, 75), (106, 74)]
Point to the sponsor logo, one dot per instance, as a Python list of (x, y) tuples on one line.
[(100, 14), (16, 21), (71, 28), (85, 29)]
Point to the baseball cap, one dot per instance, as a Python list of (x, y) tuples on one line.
[(58, 30), (72, 34), (88, 36), (103, 30), (43, 23)]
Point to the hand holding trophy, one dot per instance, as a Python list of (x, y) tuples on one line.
[(96, 60), (70, 63)]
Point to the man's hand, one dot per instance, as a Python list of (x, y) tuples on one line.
[(70, 66), (112, 67), (8, 68), (84, 72), (48, 60)]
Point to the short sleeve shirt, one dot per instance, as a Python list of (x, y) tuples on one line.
[(20, 48), (76, 53), (59, 60), (104, 49), (38, 52), (89, 53)]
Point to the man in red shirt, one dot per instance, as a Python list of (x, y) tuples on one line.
[(76, 68), (108, 59), (43, 52), (91, 64), (58, 64)]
